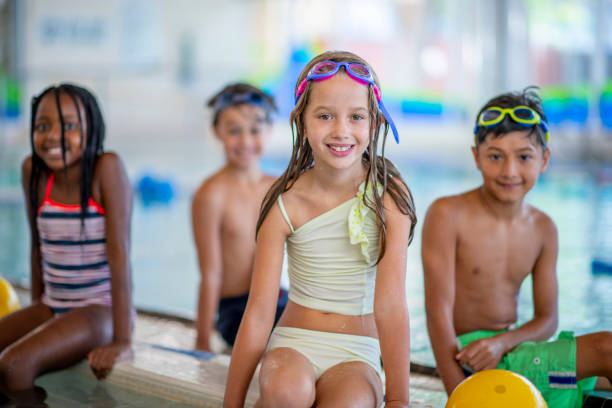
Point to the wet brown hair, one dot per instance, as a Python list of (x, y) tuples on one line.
[(379, 168)]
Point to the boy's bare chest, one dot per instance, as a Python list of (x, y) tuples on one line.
[(502, 254), (240, 214)]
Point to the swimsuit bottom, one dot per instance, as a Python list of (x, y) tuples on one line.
[(549, 365), (231, 310), (325, 350)]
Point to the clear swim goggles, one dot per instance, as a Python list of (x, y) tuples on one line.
[(326, 69), (523, 115)]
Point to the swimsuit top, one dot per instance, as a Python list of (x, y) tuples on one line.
[(75, 268), (332, 258)]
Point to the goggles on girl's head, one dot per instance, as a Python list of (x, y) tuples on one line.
[(523, 115), (229, 99), (326, 69)]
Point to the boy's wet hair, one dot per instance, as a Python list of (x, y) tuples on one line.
[(528, 97), (93, 137), (380, 169), (241, 94)]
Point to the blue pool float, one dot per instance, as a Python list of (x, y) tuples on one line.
[(601, 267)]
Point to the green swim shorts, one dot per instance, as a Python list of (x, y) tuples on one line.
[(550, 366)]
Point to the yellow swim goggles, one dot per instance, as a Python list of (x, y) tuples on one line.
[(523, 115)]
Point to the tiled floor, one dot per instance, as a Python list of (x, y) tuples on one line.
[(162, 373), (425, 391)]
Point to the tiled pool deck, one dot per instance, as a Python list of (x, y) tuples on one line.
[(207, 378), (159, 377)]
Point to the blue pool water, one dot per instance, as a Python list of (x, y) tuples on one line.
[(165, 271)]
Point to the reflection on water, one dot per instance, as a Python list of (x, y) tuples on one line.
[(165, 270), (100, 397)]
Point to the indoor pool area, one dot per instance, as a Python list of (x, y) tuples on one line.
[(145, 134), (578, 198)]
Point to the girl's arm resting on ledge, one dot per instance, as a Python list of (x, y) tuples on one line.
[(117, 204), (390, 309), (258, 318)]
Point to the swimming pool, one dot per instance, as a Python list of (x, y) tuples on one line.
[(164, 263)]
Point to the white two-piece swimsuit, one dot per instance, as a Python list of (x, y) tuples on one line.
[(332, 268)]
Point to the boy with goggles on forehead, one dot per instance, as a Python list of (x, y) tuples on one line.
[(225, 208), (477, 249)]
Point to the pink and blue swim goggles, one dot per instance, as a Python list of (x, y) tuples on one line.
[(326, 69)]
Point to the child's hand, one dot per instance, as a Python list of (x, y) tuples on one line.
[(102, 359), (202, 344), (483, 354)]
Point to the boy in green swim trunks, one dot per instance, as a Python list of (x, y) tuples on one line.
[(479, 246)]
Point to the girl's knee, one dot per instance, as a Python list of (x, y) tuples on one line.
[(285, 389), (352, 384), (285, 385), (16, 371), (290, 395), (349, 394)]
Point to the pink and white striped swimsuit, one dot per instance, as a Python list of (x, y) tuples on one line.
[(74, 263)]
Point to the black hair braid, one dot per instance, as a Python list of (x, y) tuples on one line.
[(37, 164)]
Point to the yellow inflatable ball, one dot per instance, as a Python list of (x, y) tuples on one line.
[(498, 389), (9, 302)]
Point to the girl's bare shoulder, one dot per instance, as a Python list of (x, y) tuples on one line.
[(108, 164), (298, 192), (26, 166), (109, 174), (26, 172)]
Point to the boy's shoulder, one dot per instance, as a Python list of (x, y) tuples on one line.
[(541, 221), (213, 188), (454, 205), (469, 204)]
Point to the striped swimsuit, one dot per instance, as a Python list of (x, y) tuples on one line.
[(74, 264)]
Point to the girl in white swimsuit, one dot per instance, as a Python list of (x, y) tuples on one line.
[(346, 218)]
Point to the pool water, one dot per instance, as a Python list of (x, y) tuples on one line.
[(165, 273)]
